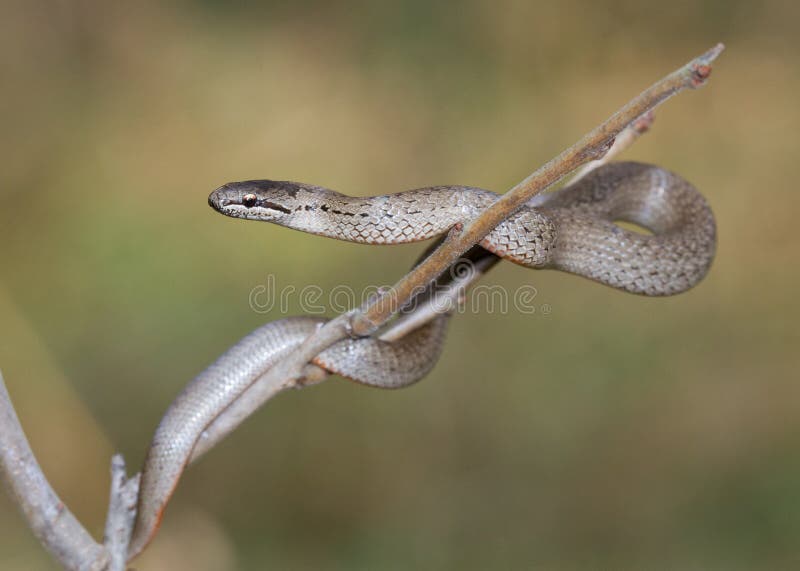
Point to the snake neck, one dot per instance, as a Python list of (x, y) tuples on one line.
[(398, 218)]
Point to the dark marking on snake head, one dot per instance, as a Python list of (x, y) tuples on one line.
[(256, 198), (274, 206), (290, 188)]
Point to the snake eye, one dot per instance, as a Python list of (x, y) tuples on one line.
[(249, 200)]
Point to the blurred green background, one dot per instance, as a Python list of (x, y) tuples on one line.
[(617, 432)]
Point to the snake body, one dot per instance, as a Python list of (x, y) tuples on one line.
[(572, 230), (368, 361)]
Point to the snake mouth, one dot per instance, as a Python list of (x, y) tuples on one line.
[(229, 209), (233, 212)]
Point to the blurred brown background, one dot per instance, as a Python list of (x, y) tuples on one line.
[(615, 432)]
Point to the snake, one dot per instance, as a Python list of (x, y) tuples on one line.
[(575, 230), (572, 230)]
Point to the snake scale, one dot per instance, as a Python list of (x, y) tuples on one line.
[(571, 230)]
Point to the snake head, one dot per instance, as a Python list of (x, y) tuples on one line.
[(267, 200)]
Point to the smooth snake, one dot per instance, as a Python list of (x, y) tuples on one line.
[(572, 230)]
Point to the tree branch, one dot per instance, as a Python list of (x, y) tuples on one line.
[(361, 322), (592, 146), (59, 531)]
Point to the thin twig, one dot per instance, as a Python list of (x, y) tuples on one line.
[(624, 140), (445, 296), (121, 512), (591, 147), (52, 523)]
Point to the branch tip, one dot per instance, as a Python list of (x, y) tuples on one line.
[(121, 512), (712, 54)]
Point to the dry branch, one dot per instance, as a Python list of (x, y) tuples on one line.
[(49, 519), (68, 541)]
